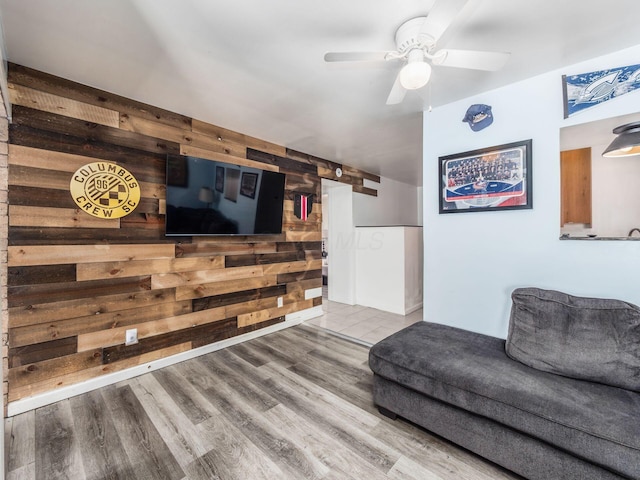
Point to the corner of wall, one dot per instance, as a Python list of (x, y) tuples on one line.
[(4, 242), (4, 235)]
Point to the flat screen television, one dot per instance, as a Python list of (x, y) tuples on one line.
[(206, 197)]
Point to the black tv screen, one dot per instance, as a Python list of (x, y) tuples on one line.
[(206, 197)]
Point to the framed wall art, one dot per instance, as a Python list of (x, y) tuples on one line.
[(488, 179), (177, 171), (219, 186), (248, 184)]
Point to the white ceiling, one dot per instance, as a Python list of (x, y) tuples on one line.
[(256, 66)]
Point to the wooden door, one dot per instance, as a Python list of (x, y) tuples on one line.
[(575, 186)]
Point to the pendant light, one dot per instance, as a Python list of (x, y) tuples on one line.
[(627, 143)]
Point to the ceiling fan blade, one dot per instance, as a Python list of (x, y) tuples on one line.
[(477, 60), (354, 56), (440, 17), (397, 93)]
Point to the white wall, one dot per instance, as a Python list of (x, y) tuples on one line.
[(389, 268), (616, 194), (341, 245), (413, 269), (380, 268), (397, 203), (473, 261)]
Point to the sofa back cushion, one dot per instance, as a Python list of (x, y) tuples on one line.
[(585, 338)]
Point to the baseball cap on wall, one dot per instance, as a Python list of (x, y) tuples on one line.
[(478, 116)]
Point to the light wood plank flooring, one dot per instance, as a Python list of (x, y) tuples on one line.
[(295, 404)]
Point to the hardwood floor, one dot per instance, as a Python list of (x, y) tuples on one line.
[(291, 405)]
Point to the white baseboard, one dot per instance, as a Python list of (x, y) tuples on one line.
[(304, 315), (40, 400)]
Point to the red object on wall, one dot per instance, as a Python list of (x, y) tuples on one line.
[(302, 205)]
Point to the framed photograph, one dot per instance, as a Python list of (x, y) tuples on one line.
[(232, 179), (177, 171), (248, 184), (494, 178), (219, 179)]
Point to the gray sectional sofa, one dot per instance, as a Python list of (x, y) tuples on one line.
[(559, 399)]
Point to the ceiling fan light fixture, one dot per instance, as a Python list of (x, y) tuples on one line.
[(416, 73), (627, 143)]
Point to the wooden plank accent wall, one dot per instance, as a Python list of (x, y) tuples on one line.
[(4, 236), (75, 283)]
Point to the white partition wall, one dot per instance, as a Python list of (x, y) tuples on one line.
[(389, 268)]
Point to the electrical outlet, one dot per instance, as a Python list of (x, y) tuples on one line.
[(131, 337), (280, 302)]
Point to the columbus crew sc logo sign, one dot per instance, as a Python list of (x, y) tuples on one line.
[(105, 190)]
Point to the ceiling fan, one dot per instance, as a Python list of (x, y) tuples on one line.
[(416, 46)]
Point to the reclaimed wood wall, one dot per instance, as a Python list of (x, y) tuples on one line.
[(76, 282), (4, 240)]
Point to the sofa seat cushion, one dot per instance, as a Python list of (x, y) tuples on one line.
[(594, 339), (472, 371)]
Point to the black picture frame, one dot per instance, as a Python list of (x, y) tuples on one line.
[(219, 186), (486, 180), (177, 171), (248, 184)]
